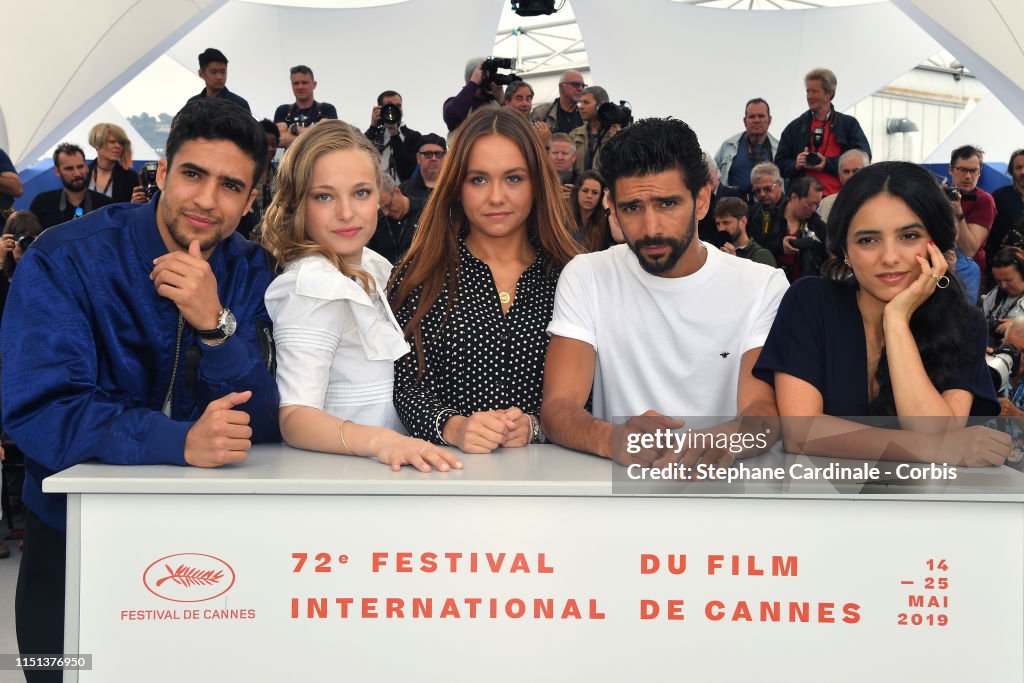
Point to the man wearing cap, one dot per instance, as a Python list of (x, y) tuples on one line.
[(429, 156)]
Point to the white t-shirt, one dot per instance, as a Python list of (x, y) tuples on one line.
[(336, 345), (667, 344)]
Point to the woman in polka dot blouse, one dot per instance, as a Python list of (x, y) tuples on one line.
[(475, 292)]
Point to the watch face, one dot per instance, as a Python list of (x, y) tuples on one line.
[(227, 323)]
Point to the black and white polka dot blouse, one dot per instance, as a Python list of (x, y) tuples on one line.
[(480, 359)]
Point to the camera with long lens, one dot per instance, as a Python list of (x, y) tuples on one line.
[(148, 178), (1003, 363), (390, 115), (490, 69), (611, 114)]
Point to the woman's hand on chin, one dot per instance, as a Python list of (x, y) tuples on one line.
[(933, 269)]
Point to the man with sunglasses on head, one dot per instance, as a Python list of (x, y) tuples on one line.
[(562, 115)]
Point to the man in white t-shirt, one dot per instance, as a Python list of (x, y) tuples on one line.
[(663, 325)]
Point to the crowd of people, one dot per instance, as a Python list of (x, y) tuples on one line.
[(540, 274)]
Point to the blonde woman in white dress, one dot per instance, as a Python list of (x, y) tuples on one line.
[(335, 335)]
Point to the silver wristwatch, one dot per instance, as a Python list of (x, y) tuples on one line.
[(226, 326)]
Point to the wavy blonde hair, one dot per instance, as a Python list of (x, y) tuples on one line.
[(284, 222), (98, 137)]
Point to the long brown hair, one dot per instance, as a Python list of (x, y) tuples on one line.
[(592, 235), (433, 258), (284, 222)]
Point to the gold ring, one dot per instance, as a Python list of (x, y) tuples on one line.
[(941, 281)]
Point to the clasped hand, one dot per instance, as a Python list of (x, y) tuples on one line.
[(486, 430)]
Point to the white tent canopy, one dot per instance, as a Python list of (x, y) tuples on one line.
[(664, 57)]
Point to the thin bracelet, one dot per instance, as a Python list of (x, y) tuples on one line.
[(445, 414), (344, 444)]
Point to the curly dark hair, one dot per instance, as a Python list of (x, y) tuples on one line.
[(944, 322)]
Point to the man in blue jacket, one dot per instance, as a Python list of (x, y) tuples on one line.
[(813, 142), (137, 335)]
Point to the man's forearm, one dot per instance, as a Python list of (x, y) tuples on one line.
[(970, 238), (573, 427)]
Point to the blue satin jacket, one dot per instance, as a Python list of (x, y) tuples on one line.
[(89, 348)]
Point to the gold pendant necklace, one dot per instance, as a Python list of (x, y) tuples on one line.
[(504, 295)]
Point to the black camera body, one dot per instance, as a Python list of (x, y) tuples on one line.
[(610, 114), (148, 178), (952, 194), (813, 158), (803, 242), (490, 66), (24, 241)]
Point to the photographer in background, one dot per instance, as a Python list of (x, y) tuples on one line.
[(796, 237), (484, 85), (975, 210), (596, 130), (812, 143), (1012, 407), (20, 231), (293, 119), (396, 143), (1005, 302)]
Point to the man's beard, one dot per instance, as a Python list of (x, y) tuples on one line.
[(74, 185), (676, 249)]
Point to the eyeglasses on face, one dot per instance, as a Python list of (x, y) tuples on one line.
[(967, 171), (432, 155), (765, 189), (574, 84)]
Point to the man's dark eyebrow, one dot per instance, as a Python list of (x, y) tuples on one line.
[(224, 178)]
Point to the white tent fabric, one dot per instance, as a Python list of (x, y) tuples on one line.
[(106, 114), (418, 48), (989, 125), (75, 55), (701, 64), (986, 37), (695, 62)]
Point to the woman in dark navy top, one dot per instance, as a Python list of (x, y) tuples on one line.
[(476, 290), (885, 333)]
